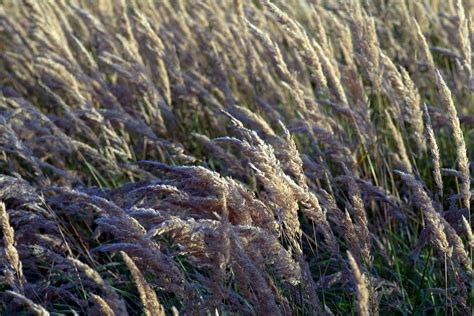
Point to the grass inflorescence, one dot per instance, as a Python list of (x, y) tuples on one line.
[(248, 157)]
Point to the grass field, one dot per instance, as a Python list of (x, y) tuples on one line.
[(204, 157)]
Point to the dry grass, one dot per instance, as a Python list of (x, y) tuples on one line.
[(236, 157)]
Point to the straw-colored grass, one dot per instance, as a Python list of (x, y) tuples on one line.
[(250, 157)]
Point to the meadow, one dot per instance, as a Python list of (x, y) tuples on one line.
[(236, 157)]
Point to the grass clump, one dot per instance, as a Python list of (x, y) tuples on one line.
[(236, 157)]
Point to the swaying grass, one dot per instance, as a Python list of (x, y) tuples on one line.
[(246, 157)]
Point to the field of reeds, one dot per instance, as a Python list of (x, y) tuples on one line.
[(249, 157)]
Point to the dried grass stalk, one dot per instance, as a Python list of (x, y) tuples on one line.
[(10, 250), (361, 287), (32, 306), (463, 162), (101, 307), (150, 302)]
